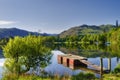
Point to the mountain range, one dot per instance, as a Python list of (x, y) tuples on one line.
[(73, 31), (11, 32)]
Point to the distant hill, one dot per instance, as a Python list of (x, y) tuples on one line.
[(11, 32), (86, 29)]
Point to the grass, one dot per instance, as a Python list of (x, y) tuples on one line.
[(114, 75), (84, 76), (111, 76), (80, 76), (22, 77)]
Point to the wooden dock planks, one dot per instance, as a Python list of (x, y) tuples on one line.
[(92, 65), (70, 60), (70, 56)]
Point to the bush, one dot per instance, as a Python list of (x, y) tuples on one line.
[(83, 76), (117, 69)]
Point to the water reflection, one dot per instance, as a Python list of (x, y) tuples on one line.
[(61, 69), (2, 61), (91, 50), (55, 68), (109, 56), (1, 66)]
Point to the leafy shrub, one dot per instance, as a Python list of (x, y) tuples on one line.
[(83, 76), (117, 69)]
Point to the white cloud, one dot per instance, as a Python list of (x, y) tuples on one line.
[(3, 22)]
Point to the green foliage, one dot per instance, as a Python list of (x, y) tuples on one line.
[(23, 77), (117, 69), (114, 36), (111, 76), (30, 51), (83, 76), (3, 42), (80, 76), (87, 39)]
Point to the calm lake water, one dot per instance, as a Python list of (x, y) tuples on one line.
[(1, 66), (55, 68)]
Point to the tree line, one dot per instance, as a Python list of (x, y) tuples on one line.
[(113, 36)]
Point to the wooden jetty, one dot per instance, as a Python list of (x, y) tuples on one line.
[(87, 69), (71, 61)]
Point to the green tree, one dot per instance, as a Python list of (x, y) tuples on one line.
[(30, 51)]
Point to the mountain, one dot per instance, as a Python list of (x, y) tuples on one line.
[(86, 29), (11, 32)]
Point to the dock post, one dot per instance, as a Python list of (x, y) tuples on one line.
[(117, 60), (109, 64), (60, 59), (65, 61), (101, 64), (71, 63)]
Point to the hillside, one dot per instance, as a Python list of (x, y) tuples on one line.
[(11, 32), (86, 29)]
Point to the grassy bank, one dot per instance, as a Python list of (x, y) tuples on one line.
[(80, 76), (111, 76)]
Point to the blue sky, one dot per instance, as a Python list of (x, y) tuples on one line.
[(55, 16)]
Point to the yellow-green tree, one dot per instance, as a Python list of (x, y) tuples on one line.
[(27, 52)]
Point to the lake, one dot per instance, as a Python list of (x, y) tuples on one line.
[(55, 68), (60, 69), (1, 66)]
